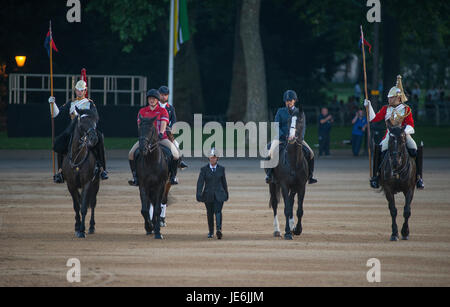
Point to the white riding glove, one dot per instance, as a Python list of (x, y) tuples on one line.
[(53, 106), (367, 104)]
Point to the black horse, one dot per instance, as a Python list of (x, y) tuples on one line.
[(152, 172), (398, 174), (291, 175), (79, 169)]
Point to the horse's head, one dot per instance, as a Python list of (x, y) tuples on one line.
[(148, 136), (87, 125), (397, 146), (296, 127)]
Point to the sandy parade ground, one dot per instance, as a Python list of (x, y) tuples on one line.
[(345, 224)]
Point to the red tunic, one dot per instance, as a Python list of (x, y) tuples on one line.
[(159, 112), (383, 114)]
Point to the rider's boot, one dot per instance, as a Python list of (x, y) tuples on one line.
[(311, 171), (135, 181), (419, 168), (99, 151), (374, 181), (173, 169), (58, 177)]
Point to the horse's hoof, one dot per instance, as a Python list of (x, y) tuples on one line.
[(297, 231), (91, 231), (158, 236), (277, 234), (81, 235), (149, 233), (394, 238), (405, 238), (288, 236)]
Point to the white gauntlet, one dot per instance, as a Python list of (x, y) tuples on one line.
[(53, 106)]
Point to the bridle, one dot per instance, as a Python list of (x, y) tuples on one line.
[(148, 144), (82, 147), (405, 165)]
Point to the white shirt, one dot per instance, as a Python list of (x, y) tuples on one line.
[(213, 168)]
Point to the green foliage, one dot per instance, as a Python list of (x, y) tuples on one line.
[(132, 19)]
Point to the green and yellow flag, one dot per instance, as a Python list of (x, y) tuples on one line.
[(181, 25)]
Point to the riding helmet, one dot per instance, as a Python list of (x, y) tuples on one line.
[(153, 93), (164, 90), (290, 95)]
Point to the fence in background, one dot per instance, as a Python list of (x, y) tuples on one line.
[(104, 90)]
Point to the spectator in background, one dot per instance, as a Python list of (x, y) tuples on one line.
[(359, 128), (325, 121)]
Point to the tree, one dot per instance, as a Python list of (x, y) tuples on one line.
[(254, 61)]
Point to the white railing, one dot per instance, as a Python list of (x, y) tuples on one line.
[(134, 87)]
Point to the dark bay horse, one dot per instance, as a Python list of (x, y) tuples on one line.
[(398, 174), (291, 176), (152, 172), (79, 169)]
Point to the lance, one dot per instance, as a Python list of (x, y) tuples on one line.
[(51, 94), (367, 108)]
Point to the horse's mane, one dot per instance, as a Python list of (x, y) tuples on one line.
[(92, 113)]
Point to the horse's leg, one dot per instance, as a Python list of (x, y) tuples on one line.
[(407, 213), (300, 196), (164, 200), (76, 207), (156, 201), (288, 212), (84, 207), (93, 204), (145, 211), (274, 205), (391, 200)]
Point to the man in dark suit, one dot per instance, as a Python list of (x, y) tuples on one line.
[(212, 189)]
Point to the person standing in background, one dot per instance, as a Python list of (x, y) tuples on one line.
[(325, 121), (359, 127)]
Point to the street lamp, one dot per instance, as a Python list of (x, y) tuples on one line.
[(20, 60)]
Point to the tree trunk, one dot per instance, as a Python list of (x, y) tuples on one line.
[(187, 98), (254, 61), (238, 96)]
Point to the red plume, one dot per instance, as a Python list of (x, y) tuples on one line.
[(83, 77)]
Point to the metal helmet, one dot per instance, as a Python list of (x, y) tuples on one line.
[(164, 90), (213, 153), (153, 93), (290, 95), (81, 85)]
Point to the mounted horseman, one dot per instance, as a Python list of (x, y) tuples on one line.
[(63, 140), (395, 111), (283, 118)]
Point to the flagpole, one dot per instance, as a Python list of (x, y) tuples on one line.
[(51, 94), (171, 47), (367, 108)]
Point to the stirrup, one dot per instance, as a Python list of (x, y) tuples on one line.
[(420, 184), (182, 165), (374, 183), (58, 178), (104, 175), (173, 180)]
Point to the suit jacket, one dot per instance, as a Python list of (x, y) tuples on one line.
[(212, 186)]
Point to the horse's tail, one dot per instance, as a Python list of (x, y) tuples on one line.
[(275, 191)]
